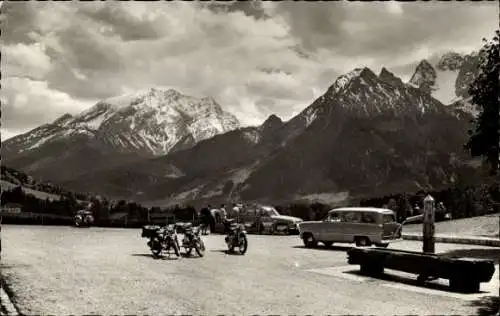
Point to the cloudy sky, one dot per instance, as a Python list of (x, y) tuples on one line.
[(254, 58)]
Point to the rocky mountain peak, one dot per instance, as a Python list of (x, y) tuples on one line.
[(153, 121), (424, 76), (344, 81), (387, 76), (272, 121), (450, 61)]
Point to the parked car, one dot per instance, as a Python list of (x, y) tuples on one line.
[(262, 218), (361, 225), (83, 218)]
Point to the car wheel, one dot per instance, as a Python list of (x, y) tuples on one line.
[(362, 242), (309, 241), (272, 230)]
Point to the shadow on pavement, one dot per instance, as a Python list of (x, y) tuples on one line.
[(480, 253), (487, 306), (321, 247), (148, 255), (440, 284), (142, 255), (191, 256), (227, 252)]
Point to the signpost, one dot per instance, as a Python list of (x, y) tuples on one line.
[(428, 227)]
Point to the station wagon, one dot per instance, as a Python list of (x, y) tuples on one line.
[(361, 225)]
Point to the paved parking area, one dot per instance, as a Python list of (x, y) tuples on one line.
[(66, 270)]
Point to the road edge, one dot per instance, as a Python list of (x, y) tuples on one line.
[(481, 241), (7, 307)]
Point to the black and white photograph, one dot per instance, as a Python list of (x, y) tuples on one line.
[(250, 158)]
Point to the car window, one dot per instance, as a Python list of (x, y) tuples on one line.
[(334, 217), (263, 213), (369, 218), (389, 218), (352, 217)]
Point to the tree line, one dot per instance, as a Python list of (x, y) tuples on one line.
[(461, 201), (20, 178), (101, 208)]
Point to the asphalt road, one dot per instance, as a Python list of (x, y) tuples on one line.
[(65, 270)]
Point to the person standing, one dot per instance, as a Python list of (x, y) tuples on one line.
[(236, 212), (224, 218), (213, 216), (223, 213), (205, 219)]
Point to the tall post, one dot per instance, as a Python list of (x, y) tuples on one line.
[(428, 229)]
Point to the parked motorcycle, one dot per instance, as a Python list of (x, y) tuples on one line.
[(161, 239), (83, 218), (192, 240), (236, 237)]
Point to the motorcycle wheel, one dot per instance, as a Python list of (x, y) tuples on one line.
[(155, 248), (200, 248), (243, 245), (156, 253), (230, 244)]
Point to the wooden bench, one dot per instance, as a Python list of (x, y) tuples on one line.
[(464, 274)]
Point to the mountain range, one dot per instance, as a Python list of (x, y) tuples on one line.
[(367, 134), (117, 130)]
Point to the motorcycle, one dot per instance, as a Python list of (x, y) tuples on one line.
[(236, 237), (83, 218), (192, 240), (161, 239)]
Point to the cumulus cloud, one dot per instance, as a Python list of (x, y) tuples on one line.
[(26, 101), (254, 58)]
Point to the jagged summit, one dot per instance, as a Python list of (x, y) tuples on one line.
[(273, 118), (447, 78), (450, 61), (345, 80), (388, 77), (424, 76), (272, 121), (362, 93)]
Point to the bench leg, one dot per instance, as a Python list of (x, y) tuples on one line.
[(422, 278), (464, 285), (372, 269)]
